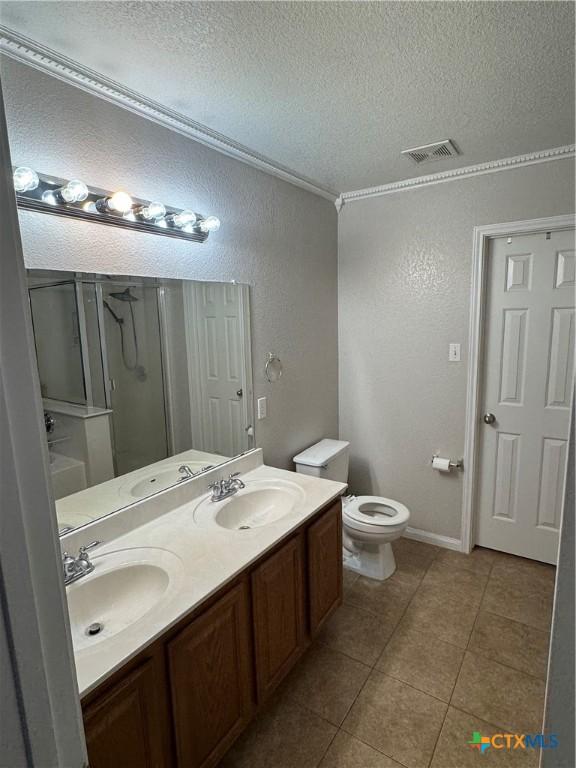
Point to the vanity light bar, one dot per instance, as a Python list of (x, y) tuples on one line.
[(71, 197)]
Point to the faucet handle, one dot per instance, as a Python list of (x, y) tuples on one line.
[(68, 565), (86, 547), (235, 479), (83, 555)]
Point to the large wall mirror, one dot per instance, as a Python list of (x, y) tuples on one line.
[(145, 383)]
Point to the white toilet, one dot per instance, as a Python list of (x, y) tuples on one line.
[(370, 523)]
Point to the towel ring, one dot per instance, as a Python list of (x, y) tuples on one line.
[(273, 368)]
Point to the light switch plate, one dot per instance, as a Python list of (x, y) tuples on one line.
[(454, 353), (262, 404)]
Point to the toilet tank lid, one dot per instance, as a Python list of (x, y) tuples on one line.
[(321, 453)]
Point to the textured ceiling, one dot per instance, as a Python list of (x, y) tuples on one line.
[(334, 90)]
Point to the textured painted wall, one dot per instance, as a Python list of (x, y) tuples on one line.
[(404, 283), (276, 237)]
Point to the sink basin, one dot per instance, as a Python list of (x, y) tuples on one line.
[(123, 587), (158, 481), (262, 502)]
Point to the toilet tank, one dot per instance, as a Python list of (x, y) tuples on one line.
[(327, 459)]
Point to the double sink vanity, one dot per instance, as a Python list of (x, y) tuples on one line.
[(195, 575), (195, 604)]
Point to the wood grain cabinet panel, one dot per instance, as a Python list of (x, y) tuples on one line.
[(248, 638), (210, 665), (324, 566), (279, 615), (127, 725)]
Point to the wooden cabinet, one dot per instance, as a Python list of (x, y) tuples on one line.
[(184, 700), (279, 615), (211, 680), (324, 566), (128, 724)]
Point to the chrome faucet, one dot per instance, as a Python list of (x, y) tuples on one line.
[(76, 567), (222, 489), (186, 472)]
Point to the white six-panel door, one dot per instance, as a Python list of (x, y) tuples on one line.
[(528, 370), (222, 380)]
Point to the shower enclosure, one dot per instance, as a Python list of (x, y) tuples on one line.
[(98, 343)]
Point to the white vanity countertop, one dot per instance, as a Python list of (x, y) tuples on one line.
[(208, 559), (74, 409), (102, 499)]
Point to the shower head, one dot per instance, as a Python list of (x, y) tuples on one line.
[(123, 295)]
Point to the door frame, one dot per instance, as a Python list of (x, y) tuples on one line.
[(38, 668), (481, 241)]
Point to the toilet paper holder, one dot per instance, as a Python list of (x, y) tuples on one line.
[(458, 464)]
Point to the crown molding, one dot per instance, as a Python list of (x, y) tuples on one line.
[(36, 55), (493, 166)]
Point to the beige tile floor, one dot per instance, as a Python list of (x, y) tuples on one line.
[(407, 669)]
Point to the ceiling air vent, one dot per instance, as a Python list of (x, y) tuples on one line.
[(440, 150)]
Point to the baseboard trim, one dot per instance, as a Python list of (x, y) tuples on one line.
[(433, 538)]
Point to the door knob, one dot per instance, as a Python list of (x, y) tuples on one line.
[(489, 418)]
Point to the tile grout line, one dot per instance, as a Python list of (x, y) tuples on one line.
[(522, 623), (465, 650), (460, 668), (371, 668), (319, 763), (395, 759)]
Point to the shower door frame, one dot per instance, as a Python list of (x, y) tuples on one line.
[(108, 388), (88, 393)]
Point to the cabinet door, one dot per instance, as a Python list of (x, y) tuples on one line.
[(211, 680), (325, 566), (127, 725), (279, 618)]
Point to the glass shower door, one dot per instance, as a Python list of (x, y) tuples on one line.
[(59, 352), (131, 335)]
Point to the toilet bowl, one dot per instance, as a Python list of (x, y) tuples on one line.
[(369, 523)]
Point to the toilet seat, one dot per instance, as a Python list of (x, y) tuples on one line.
[(373, 514)]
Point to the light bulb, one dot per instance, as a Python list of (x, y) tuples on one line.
[(25, 179), (210, 224), (49, 197), (119, 202), (183, 218), (73, 192), (152, 211)]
